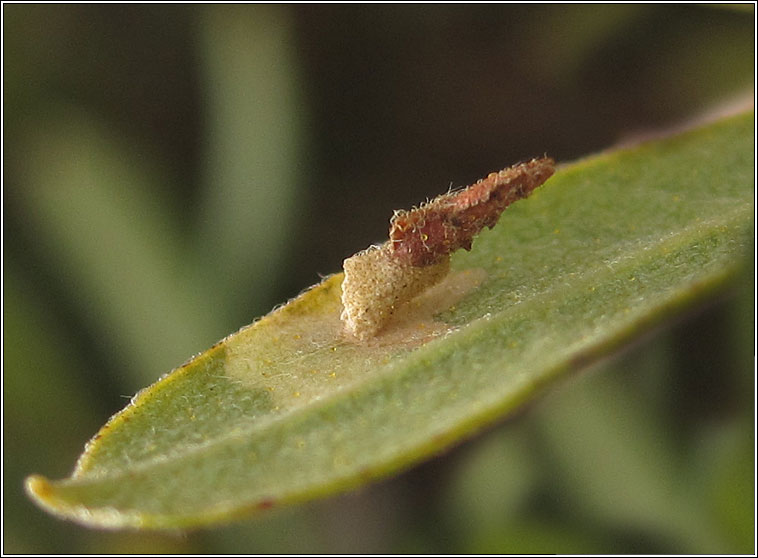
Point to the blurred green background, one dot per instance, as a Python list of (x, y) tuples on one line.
[(173, 172)]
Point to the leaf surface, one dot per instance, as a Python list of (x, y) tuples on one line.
[(288, 409)]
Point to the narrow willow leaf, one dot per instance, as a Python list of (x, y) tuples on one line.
[(289, 409)]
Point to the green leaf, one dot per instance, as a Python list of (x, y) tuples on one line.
[(287, 409)]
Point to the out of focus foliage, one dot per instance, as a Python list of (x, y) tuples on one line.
[(172, 172)]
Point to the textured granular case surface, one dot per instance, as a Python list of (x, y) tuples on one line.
[(376, 284), (423, 235), (417, 255)]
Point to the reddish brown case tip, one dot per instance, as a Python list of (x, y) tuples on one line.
[(424, 235)]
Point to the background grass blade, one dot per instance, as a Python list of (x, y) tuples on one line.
[(286, 409), (255, 128)]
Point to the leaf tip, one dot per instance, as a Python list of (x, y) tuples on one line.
[(38, 488), (42, 492)]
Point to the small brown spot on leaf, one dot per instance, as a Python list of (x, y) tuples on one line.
[(266, 504)]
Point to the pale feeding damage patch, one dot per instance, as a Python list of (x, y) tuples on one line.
[(382, 279), (300, 353)]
